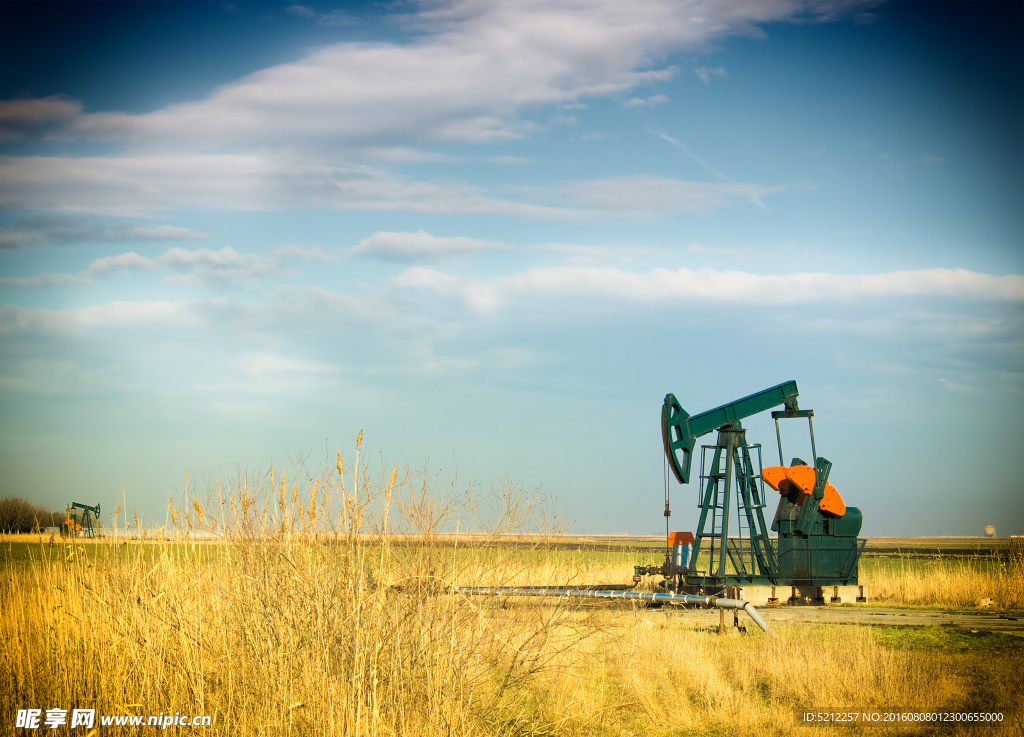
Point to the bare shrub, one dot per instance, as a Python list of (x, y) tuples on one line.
[(19, 515)]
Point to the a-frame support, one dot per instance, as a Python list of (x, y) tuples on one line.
[(730, 477)]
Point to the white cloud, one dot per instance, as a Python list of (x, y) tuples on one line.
[(419, 246), (227, 266), (335, 18), (44, 229), (140, 184), (200, 266), (42, 280), (479, 296), (20, 118), (708, 285), (470, 69), (652, 101), (17, 319), (957, 387), (301, 10), (330, 18), (587, 255), (403, 155), (307, 253), (122, 262), (705, 74), (144, 184)]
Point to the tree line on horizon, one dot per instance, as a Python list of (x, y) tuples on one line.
[(18, 514)]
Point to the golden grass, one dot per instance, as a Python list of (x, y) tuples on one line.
[(313, 614), (949, 583), (753, 688), (304, 617)]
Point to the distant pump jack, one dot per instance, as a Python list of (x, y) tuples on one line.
[(79, 520)]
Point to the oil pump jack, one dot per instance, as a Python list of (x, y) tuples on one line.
[(76, 523), (816, 543)]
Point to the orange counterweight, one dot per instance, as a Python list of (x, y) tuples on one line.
[(803, 477), (832, 502), (774, 476)]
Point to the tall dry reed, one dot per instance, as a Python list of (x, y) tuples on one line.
[(286, 606), (957, 584)]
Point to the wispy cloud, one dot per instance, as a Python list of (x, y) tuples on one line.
[(43, 229), (120, 263), (706, 74), (644, 197), (118, 314), (470, 71), (201, 266), (42, 280), (150, 184), (956, 386), (21, 118), (652, 101), (682, 285), (142, 185), (581, 254), (404, 155), (226, 266), (306, 253), (419, 246), (333, 17)]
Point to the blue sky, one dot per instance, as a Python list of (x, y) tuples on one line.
[(496, 235)]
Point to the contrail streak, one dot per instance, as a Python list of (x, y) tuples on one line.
[(689, 153)]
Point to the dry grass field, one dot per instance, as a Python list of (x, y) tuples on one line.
[(320, 609)]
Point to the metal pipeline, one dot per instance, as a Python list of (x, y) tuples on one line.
[(748, 608), (706, 601)]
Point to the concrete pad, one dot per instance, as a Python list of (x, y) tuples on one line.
[(803, 595)]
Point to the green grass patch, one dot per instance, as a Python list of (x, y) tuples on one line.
[(24, 553), (956, 639)]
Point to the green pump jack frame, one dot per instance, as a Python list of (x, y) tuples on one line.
[(731, 474), (804, 553)]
